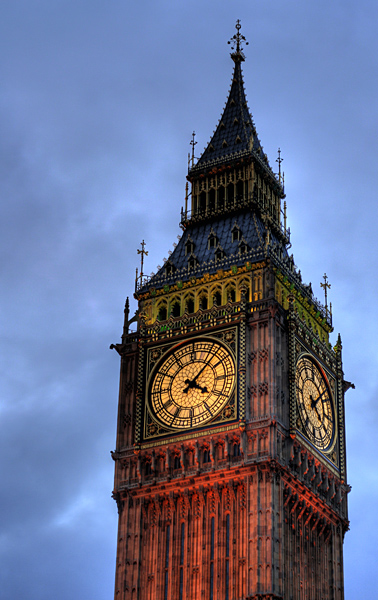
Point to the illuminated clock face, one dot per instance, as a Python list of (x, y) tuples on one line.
[(192, 384), (315, 404)]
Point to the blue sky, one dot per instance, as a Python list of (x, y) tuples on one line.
[(98, 101)]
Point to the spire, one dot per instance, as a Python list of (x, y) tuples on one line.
[(235, 134)]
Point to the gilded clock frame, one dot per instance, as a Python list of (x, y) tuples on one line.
[(326, 441), (156, 354)]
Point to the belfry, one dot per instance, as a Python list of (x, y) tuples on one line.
[(230, 467)]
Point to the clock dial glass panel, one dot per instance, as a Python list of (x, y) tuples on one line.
[(315, 404), (192, 384)]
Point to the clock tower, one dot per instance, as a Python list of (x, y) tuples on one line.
[(230, 474)]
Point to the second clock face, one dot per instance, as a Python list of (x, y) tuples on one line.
[(192, 384), (315, 404)]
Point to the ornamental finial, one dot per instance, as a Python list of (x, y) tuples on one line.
[(236, 41), (326, 286), (142, 253)]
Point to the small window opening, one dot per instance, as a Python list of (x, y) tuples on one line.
[(212, 200), (235, 234), (231, 294), (236, 449), (206, 456), (189, 247), (221, 198), (192, 263), (176, 309), (202, 202), (190, 305), (177, 463), (162, 313), (219, 254), (217, 298), (203, 302), (230, 194)]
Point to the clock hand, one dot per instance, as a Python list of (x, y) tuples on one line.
[(317, 412), (200, 371), (318, 398), (193, 383), (314, 406)]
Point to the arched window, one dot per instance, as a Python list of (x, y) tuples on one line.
[(177, 463), (236, 449), (231, 294), (192, 262), (203, 302), (230, 194), (219, 254), (189, 246), (176, 309), (243, 247), (221, 196), (162, 316), (206, 456), (148, 468), (217, 298), (212, 200), (236, 233), (190, 305), (212, 240), (202, 202), (239, 191)]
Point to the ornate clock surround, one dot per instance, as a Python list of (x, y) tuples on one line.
[(225, 412), (330, 453)]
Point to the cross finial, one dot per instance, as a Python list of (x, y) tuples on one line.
[(193, 143), (143, 253), (236, 41), (326, 286), (279, 160)]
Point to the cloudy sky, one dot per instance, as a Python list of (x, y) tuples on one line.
[(98, 100)]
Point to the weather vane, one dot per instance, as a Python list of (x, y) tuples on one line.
[(236, 42)]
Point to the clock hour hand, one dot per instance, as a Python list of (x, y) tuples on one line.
[(314, 405), (193, 384), (319, 397)]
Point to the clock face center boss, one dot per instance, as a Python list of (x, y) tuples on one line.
[(192, 384)]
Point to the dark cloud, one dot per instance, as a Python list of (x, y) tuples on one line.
[(97, 107)]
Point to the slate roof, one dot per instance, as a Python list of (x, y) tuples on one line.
[(235, 134), (252, 233)]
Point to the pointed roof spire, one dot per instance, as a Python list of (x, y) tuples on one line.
[(235, 135)]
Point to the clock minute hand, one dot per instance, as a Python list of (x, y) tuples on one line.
[(199, 372), (193, 383), (318, 398)]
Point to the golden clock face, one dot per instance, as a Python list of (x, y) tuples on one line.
[(192, 384), (315, 404)]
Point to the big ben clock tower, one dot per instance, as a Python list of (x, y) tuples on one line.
[(230, 474)]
